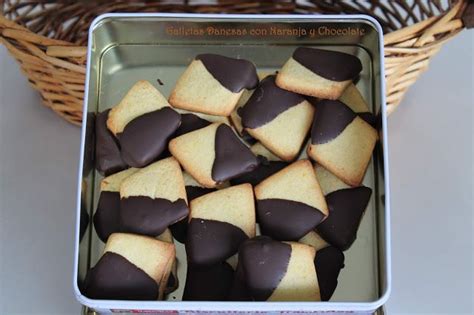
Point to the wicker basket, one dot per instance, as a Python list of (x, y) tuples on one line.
[(48, 38)]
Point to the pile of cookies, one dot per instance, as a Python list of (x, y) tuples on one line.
[(259, 176)]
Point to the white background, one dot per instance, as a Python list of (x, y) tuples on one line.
[(431, 151)]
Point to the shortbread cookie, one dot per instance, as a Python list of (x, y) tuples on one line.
[(142, 98), (213, 154), (108, 159), (213, 84), (279, 119), (346, 208), (133, 267), (328, 262), (208, 283), (341, 141), (355, 101), (319, 73), (146, 137), (107, 215), (153, 198), (269, 165), (173, 281), (315, 240), (219, 222), (276, 271), (193, 191), (290, 203)]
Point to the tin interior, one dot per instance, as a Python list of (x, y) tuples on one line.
[(127, 49)]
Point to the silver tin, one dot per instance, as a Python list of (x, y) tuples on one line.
[(124, 48)]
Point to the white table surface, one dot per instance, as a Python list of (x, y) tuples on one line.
[(431, 150)]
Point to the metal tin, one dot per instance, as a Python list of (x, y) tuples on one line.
[(124, 48)]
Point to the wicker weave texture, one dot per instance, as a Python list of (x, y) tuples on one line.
[(48, 38)]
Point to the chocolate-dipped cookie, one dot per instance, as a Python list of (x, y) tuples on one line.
[(213, 84), (208, 283), (133, 267), (108, 159), (355, 101), (279, 119), (346, 208), (153, 198), (107, 215), (191, 121), (328, 262), (319, 73), (142, 98), (213, 154), (277, 271), (341, 141), (218, 223), (290, 203)]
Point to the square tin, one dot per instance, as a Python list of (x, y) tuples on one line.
[(124, 48)]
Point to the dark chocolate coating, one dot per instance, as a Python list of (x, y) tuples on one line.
[(115, 278), (107, 215), (190, 122), (84, 223), (180, 229), (368, 118), (328, 263), (264, 263), (146, 137), (239, 291), (331, 65), (108, 159), (172, 283), (264, 169), (233, 74), (346, 207), (147, 216), (209, 242), (286, 220), (208, 283), (330, 120), (89, 148), (266, 103), (232, 156)]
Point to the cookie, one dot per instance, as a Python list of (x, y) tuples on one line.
[(355, 101), (290, 203), (341, 141), (319, 73), (346, 208), (107, 216), (173, 281), (208, 283), (142, 98), (277, 271), (279, 119), (108, 159), (213, 84), (153, 198), (218, 223), (269, 165), (328, 262), (315, 240), (191, 121), (133, 267), (213, 154)]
